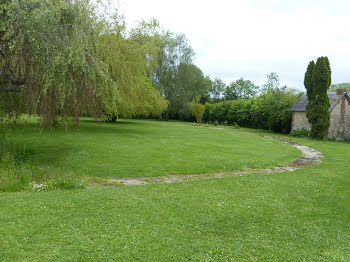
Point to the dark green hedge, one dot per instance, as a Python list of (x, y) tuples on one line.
[(267, 111)]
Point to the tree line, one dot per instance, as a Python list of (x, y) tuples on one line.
[(265, 107), (65, 59), (62, 60)]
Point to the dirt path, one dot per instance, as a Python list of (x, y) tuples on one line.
[(309, 156)]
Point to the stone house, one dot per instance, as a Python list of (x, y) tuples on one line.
[(339, 112)]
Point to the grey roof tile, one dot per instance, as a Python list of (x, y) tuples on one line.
[(334, 99)]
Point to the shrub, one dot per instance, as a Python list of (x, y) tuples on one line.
[(197, 109), (268, 111), (235, 125), (238, 111), (273, 106), (300, 133)]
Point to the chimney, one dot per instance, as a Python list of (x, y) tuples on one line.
[(341, 92)]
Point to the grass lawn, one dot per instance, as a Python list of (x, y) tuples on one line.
[(134, 148), (298, 216)]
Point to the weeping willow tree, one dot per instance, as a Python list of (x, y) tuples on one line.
[(61, 59), (131, 58)]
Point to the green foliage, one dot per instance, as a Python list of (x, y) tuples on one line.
[(207, 84), (48, 58), (334, 87), (268, 111), (131, 62), (176, 77), (174, 51), (62, 59), (238, 111), (273, 82), (317, 81), (274, 107), (197, 109), (300, 133), (309, 86), (217, 89), (189, 83), (240, 89)]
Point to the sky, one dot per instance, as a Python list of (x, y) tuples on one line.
[(251, 38)]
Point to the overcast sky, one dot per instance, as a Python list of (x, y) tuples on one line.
[(250, 38)]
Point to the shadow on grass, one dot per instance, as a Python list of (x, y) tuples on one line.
[(110, 128), (50, 146), (119, 122)]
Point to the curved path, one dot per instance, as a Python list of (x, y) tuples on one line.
[(309, 157)]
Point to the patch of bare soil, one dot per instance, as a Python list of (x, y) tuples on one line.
[(309, 157)]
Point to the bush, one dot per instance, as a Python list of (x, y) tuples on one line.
[(273, 107), (235, 125), (300, 133), (197, 109), (229, 112), (268, 111)]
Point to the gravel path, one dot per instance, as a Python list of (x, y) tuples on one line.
[(309, 157)]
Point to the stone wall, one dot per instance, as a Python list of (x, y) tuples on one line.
[(340, 121), (347, 120), (299, 121)]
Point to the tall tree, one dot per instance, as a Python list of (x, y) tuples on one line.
[(317, 85), (309, 86), (62, 59), (207, 85), (217, 89), (240, 89), (131, 59), (176, 77), (273, 82), (48, 61), (188, 83)]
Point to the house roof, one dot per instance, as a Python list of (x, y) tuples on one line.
[(334, 99)]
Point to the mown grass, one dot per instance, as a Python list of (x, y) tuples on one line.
[(134, 148), (299, 216)]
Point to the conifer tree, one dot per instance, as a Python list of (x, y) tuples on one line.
[(309, 87), (317, 81)]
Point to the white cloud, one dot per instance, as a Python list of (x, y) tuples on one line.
[(254, 37)]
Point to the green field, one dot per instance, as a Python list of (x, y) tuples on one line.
[(133, 148), (298, 216)]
